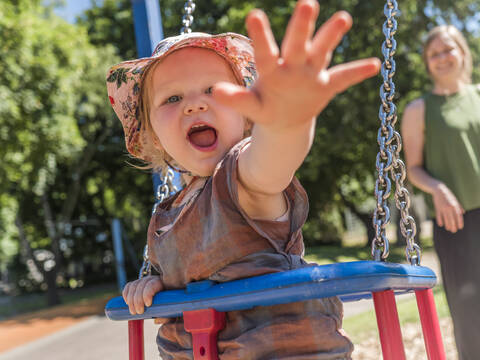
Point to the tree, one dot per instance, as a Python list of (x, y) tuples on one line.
[(339, 171), (53, 119)]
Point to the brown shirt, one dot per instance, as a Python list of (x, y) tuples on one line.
[(211, 237)]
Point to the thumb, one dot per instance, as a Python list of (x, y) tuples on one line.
[(239, 98)]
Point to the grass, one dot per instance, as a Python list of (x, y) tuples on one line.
[(353, 251), (364, 325)]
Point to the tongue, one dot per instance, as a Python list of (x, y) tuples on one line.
[(203, 138)]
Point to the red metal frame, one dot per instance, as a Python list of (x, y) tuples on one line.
[(388, 325), (135, 340), (204, 326), (430, 326)]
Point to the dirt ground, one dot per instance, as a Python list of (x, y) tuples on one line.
[(26, 328), (32, 326)]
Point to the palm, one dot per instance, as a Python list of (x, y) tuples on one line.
[(294, 83)]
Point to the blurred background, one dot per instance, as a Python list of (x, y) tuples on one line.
[(65, 176)]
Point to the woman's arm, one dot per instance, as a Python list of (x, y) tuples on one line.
[(448, 211)]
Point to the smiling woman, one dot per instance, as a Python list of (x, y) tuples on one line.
[(441, 134)]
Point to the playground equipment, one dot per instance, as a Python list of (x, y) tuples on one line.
[(203, 304)]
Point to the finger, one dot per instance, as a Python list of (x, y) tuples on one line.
[(138, 298), (153, 286), (450, 220), (439, 218), (239, 98), (460, 222), (343, 76), (130, 297), (125, 292), (264, 45), (299, 32), (327, 39)]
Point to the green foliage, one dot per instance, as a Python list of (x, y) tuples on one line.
[(341, 164), (57, 128), (59, 135), (39, 73)]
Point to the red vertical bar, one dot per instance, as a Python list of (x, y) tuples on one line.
[(430, 325), (204, 326), (388, 325), (135, 340)]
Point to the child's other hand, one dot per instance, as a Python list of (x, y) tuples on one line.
[(139, 293), (294, 84)]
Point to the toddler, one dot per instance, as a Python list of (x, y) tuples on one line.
[(236, 117)]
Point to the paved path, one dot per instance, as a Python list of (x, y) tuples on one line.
[(100, 339)]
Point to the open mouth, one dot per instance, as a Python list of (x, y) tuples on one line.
[(202, 136)]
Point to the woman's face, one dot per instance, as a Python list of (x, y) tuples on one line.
[(444, 58)]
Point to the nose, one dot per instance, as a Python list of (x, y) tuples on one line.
[(194, 106)]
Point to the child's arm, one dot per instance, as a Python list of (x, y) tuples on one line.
[(293, 87), (139, 293)]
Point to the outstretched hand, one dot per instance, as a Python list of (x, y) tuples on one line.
[(295, 84)]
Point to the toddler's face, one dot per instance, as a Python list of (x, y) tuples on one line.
[(192, 127)]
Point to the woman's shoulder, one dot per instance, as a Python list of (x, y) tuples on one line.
[(416, 105), (413, 118), (414, 110)]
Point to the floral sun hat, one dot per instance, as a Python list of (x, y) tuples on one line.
[(125, 79)]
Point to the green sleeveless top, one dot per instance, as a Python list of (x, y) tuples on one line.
[(452, 143)]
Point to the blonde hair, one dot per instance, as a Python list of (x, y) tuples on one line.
[(157, 155), (461, 42)]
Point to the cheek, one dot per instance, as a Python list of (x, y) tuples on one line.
[(159, 127), (458, 56)]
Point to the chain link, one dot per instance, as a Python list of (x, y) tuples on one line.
[(187, 19), (388, 162), (164, 190)]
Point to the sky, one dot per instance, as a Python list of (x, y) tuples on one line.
[(72, 9)]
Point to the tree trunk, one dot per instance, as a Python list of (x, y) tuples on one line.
[(36, 267), (365, 218), (52, 292)]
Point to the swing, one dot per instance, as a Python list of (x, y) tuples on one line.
[(203, 304)]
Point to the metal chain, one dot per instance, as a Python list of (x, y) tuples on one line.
[(187, 19), (164, 190), (388, 160)]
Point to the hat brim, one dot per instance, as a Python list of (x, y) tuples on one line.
[(124, 80)]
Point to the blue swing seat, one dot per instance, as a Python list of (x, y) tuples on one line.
[(350, 281)]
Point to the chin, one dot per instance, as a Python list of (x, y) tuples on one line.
[(204, 171)]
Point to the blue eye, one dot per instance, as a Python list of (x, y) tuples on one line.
[(209, 90), (173, 99)]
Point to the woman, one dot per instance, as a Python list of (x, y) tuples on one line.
[(441, 132)]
